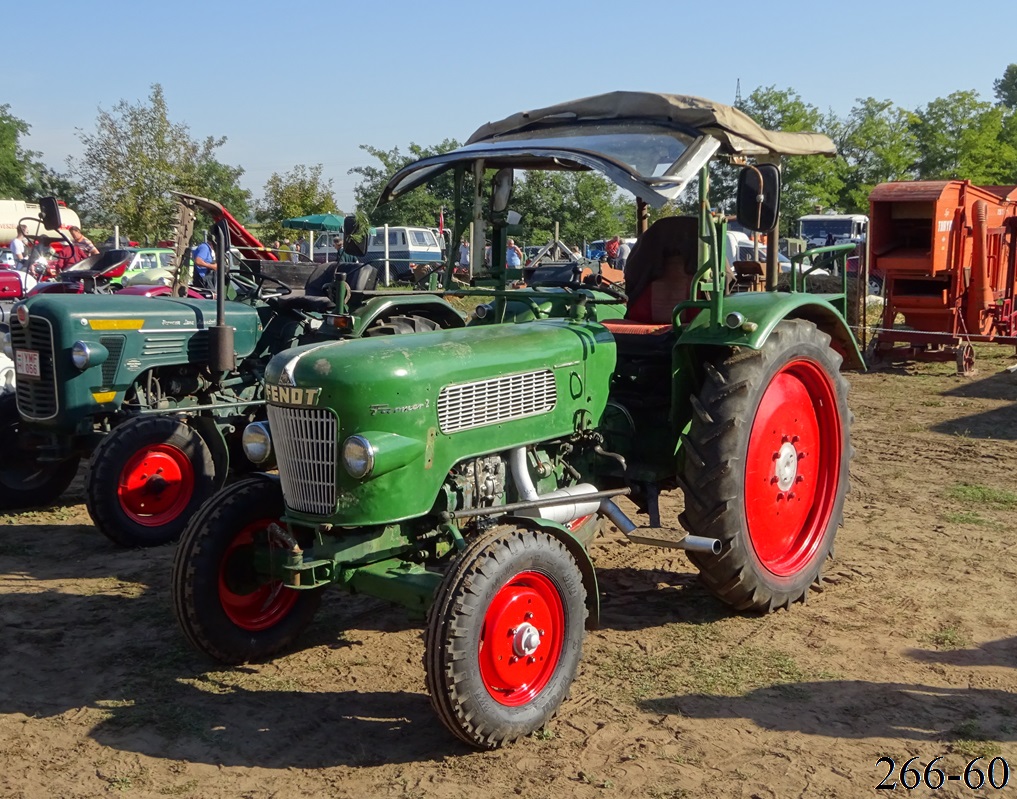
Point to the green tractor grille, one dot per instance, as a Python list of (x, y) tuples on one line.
[(501, 399), (37, 397), (305, 441)]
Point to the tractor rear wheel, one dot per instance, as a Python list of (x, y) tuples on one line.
[(146, 479), (396, 325), (26, 481), (228, 603), (504, 636), (765, 467)]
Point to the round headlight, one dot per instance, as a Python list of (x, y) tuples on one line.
[(81, 355), (358, 456), (22, 313), (257, 442)]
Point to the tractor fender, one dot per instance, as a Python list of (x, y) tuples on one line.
[(578, 551), (765, 310), (426, 305), (210, 433)]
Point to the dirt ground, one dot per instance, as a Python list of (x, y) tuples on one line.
[(908, 652)]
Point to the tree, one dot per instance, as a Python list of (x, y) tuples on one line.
[(135, 156), (961, 137), (808, 181), (585, 205), (419, 207), (1005, 88), (299, 192), (13, 159), (877, 144)]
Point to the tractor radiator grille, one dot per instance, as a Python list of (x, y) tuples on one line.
[(37, 398), (115, 346), (469, 405), (305, 448)]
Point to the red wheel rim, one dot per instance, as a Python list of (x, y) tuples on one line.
[(521, 640), (249, 603), (156, 485), (792, 470)]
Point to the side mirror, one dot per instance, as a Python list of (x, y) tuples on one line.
[(758, 199), (354, 237), (49, 209)]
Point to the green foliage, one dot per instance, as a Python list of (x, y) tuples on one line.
[(584, 204), (135, 156), (421, 206), (1005, 88), (962, 137), (300, 192), (808, 181), (14, 160), (876, 144)]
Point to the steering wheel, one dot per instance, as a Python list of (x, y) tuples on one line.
[(253, 284)]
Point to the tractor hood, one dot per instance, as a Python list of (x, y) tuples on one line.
[(425, 402), (646, 143)]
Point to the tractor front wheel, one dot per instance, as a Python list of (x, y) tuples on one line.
[(146, 479), (765, 467), (227, 600), (25, 480), (504, 636)]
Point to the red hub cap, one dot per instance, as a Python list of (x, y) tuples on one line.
[(792, 469), (250, 601), (521, 641), (156, 485)]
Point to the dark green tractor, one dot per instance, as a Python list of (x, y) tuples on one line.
[(463, 473), (155, 391)]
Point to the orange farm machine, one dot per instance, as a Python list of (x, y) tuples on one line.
[(946, 252)]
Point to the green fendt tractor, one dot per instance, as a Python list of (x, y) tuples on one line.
[(463, 473), (156, 390)]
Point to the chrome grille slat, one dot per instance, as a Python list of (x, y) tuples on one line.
[(469, 405), (305, 442)]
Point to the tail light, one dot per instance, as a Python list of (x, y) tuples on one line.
[(117, 270)]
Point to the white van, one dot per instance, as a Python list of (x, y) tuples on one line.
[(406, 245)]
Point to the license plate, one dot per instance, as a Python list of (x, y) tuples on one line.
[(27, 363)]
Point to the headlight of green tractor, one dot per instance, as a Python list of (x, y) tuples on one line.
[(257, 442), (85, 354), (374, 453), (358, 457)]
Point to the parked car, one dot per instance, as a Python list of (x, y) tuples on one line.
[(144, 259)]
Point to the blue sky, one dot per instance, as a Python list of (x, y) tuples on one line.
[(303, 82)]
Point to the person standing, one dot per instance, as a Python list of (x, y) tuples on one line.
[(513, 255), (464, 253), (19, 249), (83, 248), (204, 265), (623, 256), (611, 248)]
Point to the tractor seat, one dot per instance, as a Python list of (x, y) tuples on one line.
[(658, 275)]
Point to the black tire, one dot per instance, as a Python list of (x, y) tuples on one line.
[(397, 325), (747, 475), (482, 698), (146, 479), (229, 622), (25, 481)]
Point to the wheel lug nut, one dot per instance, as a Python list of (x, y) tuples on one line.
[(528, 616), (784, 439), (780, 495), (513, 659), (531, 659), (799, 479), (790, 494), (795, 439)]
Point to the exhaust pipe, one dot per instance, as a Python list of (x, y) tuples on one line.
[(980, 296), (565, 513)]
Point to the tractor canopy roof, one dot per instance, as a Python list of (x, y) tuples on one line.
[(646, 143)]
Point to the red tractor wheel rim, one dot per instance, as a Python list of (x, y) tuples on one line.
[(250, 603), (156, 485), (792, 470), (521, 640)]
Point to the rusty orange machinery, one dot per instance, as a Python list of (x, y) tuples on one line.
[(946, 252)]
